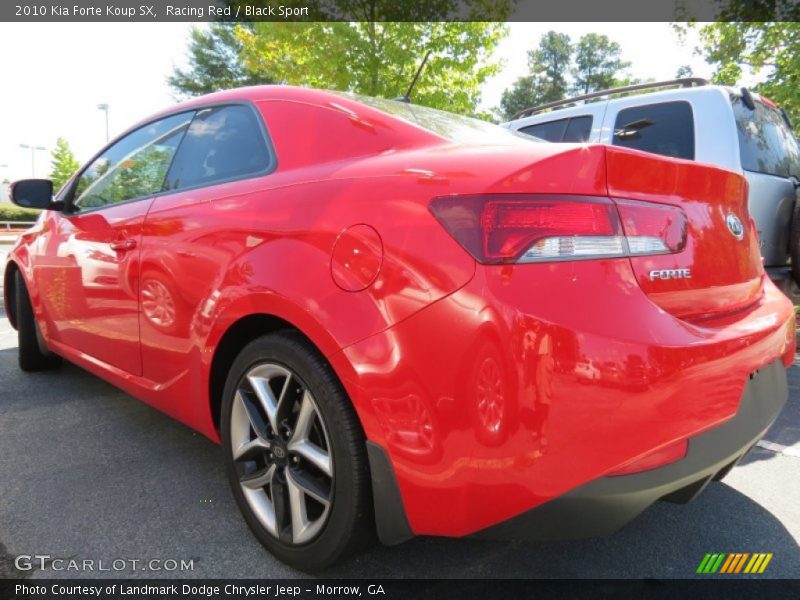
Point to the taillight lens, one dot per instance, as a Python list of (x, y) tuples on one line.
[(652, 228), (501, 229)]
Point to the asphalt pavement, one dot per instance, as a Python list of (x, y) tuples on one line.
[(89, 473)]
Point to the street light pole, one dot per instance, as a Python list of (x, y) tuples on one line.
[(33, 150), (104, 108)]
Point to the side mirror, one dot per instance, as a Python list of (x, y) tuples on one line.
[(33, 193)]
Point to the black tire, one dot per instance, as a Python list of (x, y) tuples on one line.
[(33, 356), (350, 523), (795, 244)]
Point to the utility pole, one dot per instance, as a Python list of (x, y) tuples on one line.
[(33, 150), (104, 108)]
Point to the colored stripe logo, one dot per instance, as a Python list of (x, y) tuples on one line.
[(734, 562)]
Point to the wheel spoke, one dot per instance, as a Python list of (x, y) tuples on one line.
[(297, 504), (307, 485), (283, 515), (251, 449), (313, 454), (259, 479), (253, 414), (300, 443), (272, 406), (305, 419)]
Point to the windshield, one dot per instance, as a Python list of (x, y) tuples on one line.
[(448, 125), (766, 143)]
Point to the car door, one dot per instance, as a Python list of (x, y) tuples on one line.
[(194, 231), (90, 276)]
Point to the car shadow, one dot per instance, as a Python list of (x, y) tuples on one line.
[(666, 541), (94, 473)]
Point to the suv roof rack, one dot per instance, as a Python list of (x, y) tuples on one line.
[(684, 82)]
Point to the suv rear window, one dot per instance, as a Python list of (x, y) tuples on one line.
[(666, 128), (576, 129), (766, 144)]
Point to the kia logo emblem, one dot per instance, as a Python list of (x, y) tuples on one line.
[(735, 226)]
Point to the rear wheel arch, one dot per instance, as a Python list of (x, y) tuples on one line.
[(240, 333)]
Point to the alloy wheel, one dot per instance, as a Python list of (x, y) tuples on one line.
[(282, 454)]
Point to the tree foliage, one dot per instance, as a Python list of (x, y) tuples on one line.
[(10, 212), (558, 67), (379, 58), (63, 164), (597, 64), (547, 80), (768, 51), (214, 63)]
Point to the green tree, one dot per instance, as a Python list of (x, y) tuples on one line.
[(684, 71), (63, 164), (549, 65), (378, 58), (768, 51), (598, 65), (214, 63)]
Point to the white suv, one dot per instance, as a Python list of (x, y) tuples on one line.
[(688, 118)]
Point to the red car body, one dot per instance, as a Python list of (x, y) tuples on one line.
[(492, 389)]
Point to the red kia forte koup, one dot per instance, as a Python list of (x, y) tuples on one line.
[(402, 320)]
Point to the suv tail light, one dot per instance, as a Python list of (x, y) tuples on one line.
[(501, 229)]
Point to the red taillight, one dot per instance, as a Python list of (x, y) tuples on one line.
[(521, 229), (652, 228), (654, 460)]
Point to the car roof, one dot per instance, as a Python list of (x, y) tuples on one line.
[(647, 97)]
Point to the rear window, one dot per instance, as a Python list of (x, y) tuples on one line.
[(766, 144), (666, 128), (447, 125), (576, 129)]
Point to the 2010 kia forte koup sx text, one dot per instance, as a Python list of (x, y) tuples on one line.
[(399, 320)]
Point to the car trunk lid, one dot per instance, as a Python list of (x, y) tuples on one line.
[(719, 269)]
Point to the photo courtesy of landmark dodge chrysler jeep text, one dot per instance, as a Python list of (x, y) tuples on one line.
[(395, 319)]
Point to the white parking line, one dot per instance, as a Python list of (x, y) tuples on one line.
[(779, 448)]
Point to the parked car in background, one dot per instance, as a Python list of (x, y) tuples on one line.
[(689, 119), (398, 319)]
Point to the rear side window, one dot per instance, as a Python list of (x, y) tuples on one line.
[(576, 129), (552, 131), (666, 128), (766, 144), (221, 144)]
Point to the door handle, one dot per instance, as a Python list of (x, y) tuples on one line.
[(123, 245)]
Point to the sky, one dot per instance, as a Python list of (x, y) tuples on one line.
[(54, 76)]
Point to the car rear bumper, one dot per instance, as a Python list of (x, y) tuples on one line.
[(591, 376), (604, 505)]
